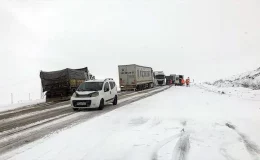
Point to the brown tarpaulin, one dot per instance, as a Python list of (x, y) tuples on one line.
[(61, 76)]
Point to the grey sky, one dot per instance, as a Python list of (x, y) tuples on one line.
[(203, 39)]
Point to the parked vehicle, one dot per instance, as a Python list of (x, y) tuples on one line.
[(178, 79), (60, 85), (135, 77), (159, 78), (169, 79), (94, 94), (174, 77)]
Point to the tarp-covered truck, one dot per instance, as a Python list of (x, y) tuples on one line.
[(60, 85), (135, 77)]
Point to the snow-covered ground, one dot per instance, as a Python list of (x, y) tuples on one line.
[(20, 105), (250, 79), (245, 85), (181, 123), (241, 92)]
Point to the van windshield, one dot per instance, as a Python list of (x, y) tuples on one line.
[(90, 86)]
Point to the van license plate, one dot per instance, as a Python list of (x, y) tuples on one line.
[(82, 103)]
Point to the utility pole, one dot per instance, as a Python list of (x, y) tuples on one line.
[(29, 97), (12, 98)]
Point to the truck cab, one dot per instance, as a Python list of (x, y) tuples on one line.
[(159, 78)]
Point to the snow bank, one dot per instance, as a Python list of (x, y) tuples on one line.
[(249, 79), (20, 105), (241, 92)]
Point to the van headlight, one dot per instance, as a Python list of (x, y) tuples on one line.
[(95, 94)]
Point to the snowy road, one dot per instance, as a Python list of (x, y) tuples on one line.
[(177, 124), (25, 125)]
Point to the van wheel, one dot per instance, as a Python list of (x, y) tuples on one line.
[(115, 101), (101, 105)]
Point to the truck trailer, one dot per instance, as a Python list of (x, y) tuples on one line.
[(60, 85), (135, 77)]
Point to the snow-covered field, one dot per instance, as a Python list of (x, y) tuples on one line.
[(181, 123)]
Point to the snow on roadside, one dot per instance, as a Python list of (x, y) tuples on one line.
[(20, 105), (249, 79), (179, 122), (240, 92)]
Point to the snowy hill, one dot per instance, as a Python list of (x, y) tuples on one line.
[(249, 79)]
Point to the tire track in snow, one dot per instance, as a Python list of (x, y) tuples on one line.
[(29, 126), (182, 147), (251, 147), (224, 153), (162, 144), (17, 118), (32, 108)]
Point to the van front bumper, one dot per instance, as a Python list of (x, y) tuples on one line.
[(90, 102)]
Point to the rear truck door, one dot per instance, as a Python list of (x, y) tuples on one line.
[(123, 75), (131, 75), (130, 79)]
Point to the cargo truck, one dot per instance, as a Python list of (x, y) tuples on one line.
[(159, 78), (174, 77), (135, 77), (178, 79), (169, 79), (60, 85)]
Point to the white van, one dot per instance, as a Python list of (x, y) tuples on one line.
[(94, 94)]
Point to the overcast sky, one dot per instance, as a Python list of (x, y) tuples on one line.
[(203, 39)]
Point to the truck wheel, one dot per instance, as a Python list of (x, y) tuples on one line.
[(137, 87), (101, 105), (115, 101), (75, 109)]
